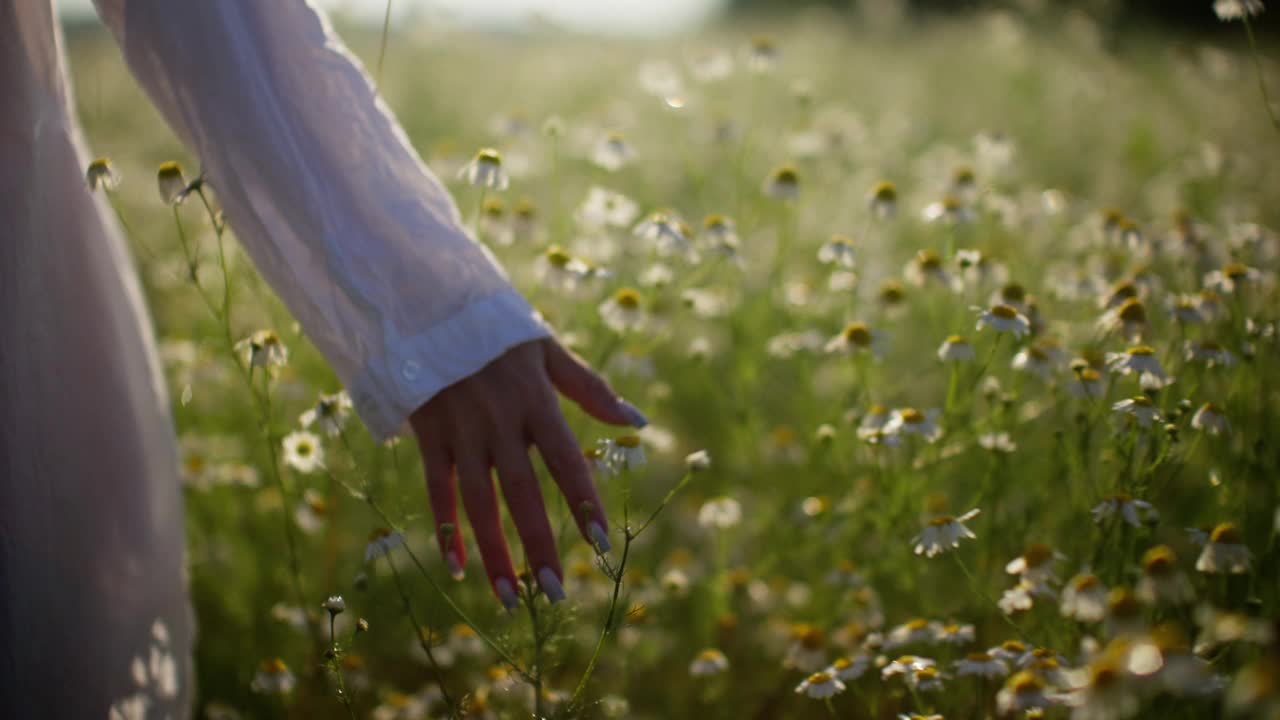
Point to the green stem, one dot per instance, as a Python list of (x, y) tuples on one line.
[(1257, 65)]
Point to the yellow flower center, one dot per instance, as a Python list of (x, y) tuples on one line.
[(857, 333), (917, 624), (489, 156), (557, 256), (820, 678), (627, 298), (1132, 311), (911, 416), (1004, 312), (786, 175), (885, 191), (1141, 351), (627, 441), (1227, 534), (1037, 554), (1159, 560)]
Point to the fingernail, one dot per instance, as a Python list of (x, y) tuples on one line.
[(455, 565), (634, 416), (550, 585), (507, 594), (600, 537)]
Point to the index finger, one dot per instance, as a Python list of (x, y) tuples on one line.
[(563, 457)]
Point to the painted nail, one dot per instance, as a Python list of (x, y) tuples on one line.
[(507, 594), (455, 565), (600, 537), (550, 585), (634, 416)]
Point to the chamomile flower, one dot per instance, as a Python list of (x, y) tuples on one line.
[(273, 678), (171, 183), (807, 650), (1084, 599), (1012, 294), (1161, 583), (381, 542), (720, 513), (622, 312), (1103, 690), (956, 349), (612, 152), (1004, 318), (762, 54), (1225, 552), (1034, 565), (720, 235), (909, 421), (1208, 352), (1129, 319), (303, 452), (1140, 408), (1133, 511), (1022, 693), (850, 667), (820, 685), (605, 208), (1186, 309), (708, 662), (783, 183), (1232, 278), (100, 173), (857, 337), (561, 271), (906, 665), (944, 533), (329, 414), (667, 233), (917, 631), (1140, 360), (1087, 382), (1040, 360), (1211, 419), (925, 268), (883, 199), (981, 664), (625, 452), (954, 634), (485, 170), (950, 209), (926, 679), (837, 251), (1237, 9), (263, 349)]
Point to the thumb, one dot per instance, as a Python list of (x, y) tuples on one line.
[(579, 383)]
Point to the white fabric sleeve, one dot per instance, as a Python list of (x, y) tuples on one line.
[(327, 196)]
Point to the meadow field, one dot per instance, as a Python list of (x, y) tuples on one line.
[(957, 338)]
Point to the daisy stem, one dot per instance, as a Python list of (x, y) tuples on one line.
[(831, 708), (1257, 65), (424, 635), (382, 46), (335, 664)]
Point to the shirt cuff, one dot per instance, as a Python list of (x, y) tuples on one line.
[(415, 368)]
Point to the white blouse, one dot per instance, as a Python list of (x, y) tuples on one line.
[(326, 194)]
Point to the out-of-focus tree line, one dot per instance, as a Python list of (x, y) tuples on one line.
[(1187, 15)]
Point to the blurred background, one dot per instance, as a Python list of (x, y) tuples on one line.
[(664, 16)]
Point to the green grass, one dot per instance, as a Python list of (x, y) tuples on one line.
[(1152, 129)]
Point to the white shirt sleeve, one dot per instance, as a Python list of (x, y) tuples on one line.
[(327, 196)]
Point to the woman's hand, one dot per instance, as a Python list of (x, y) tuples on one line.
[(489, 420)]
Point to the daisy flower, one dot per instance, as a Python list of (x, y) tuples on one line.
[(1161, 582), (762, 54), (263, 349), (949, 209), (1130, 320), (273, 678), (956, 349), (905, 665), (912, 632), (381, 542), (1084, 599), (605, 208), (981, 664), (1140, 408), (956, 634), (1087, 383), (883, 199), (720, 513), (943, 533), (720, 235), (667, 233), (1023, 692), (171, 183), (909, 421), (850, 667), (926, 679), (561, 271), (820, 685), (1208, 352), (857, 337), (698, 461), (1225, 552), (1102, 690), (303, 452), (1132, 511), (1186, 309), (329, 413), (1232, 278), (485, 170), (1040, 360), (1035, 565), (783, 183), (708, 662), (1140, 359), (625, 452), (838, 251), (1004, 318), (927, 267), (807, 651), (1211, 419), (101, 173), (1012, 294), (612, 152), (622, 311)]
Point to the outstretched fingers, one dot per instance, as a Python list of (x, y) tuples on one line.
[(564, 460), (579, 383), (524, 501), (481, 503)]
